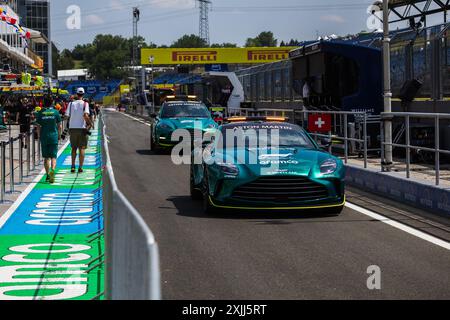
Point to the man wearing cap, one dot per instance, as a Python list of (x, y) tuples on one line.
[(79, 125)]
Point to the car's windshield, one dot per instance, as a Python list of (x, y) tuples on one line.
[(264, 135), (185, 110)]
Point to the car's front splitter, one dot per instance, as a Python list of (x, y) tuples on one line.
[(249, 207)]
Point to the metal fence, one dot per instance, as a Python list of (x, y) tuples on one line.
[(361, 134), (21, 163), (132, 258), (140, 110), (348, 130), (409, 146)]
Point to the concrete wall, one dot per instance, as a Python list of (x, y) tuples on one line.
[(391, 185)]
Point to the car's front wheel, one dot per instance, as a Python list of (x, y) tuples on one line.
[(196, 193), (153, 144), (208, 208), (152, 147), (335, 211)]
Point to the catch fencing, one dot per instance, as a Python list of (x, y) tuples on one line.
[(414, 143), (22, 154), (132, 258), (348, 129)]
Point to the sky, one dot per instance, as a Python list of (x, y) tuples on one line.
[(164, 21)]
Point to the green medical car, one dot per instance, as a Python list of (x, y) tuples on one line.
[(182, 112), (278, 167)]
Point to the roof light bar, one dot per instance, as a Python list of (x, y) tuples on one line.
[(278, 119), (257, 118)]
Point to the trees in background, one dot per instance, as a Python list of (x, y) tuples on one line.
[(108, 56), (79, 50), (189, 41), (224, 45), (65, 60), (291, 43), (62, 60), (264, 39)]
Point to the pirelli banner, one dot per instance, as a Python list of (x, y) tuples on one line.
[(174, 56)]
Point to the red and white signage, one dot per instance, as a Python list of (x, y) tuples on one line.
[(319, 122)]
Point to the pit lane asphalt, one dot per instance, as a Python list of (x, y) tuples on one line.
[(271, 256)]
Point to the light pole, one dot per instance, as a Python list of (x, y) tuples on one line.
[(387, 87), (136, 18), (151, 59)]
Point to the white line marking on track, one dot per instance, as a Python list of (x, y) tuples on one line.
[(392, 223), (137, 119), (398, 225), (26, 192)]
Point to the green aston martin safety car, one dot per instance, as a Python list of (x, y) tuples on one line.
[(184, 112), (265, 164)]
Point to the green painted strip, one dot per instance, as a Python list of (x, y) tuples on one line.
[(44, 267), (48, 244)]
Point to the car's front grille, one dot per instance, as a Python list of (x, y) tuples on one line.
[(281, 189), (192, 132)]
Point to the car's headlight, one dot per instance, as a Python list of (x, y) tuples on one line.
[(229, 168), (328, 166), (210, 128)]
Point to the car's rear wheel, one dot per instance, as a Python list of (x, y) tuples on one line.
[(196, 193)]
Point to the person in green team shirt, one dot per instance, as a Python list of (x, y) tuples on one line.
[(49, 131)]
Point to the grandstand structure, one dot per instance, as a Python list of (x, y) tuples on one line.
[(402, 10), (94, 89), (177, 79)]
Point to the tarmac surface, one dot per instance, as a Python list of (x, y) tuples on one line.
[(237, 255)]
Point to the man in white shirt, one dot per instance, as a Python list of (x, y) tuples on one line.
[(79, 125)]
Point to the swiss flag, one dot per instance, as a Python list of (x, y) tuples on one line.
[(319, 122)]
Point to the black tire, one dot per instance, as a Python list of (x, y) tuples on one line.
[(196, 193), (336, 211), (208, 208), (152, 147), (153, 144)]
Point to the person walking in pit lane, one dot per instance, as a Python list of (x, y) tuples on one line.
[(24, 117), (49, 132), (79, 126)]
